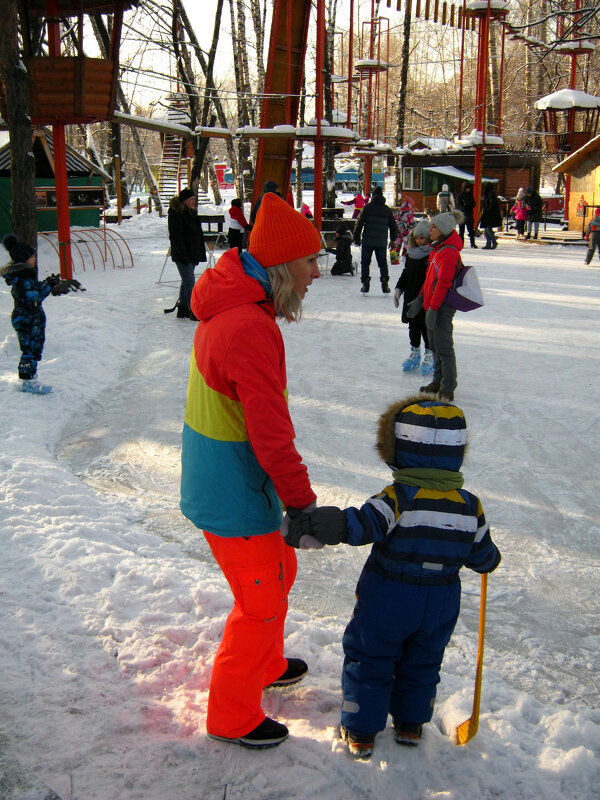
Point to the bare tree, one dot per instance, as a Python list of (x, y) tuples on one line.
[(15, 110)]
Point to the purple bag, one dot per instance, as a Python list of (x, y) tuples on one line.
[(465, 293)]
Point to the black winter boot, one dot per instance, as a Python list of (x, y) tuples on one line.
[(385, 286), (365, 286)]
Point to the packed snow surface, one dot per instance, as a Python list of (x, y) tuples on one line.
[(112, 606)]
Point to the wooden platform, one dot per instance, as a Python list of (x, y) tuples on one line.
[(547, 237)]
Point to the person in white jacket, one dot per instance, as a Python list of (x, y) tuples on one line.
[(444, 201)]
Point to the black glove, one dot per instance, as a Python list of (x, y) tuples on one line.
[(76, 286), (413, 308), (327, 524), (62, 287), (53, 280)]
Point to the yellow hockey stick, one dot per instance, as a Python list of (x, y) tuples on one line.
[(468, 729)]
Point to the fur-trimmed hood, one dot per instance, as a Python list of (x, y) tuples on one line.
[(421, 432), (176, 205)]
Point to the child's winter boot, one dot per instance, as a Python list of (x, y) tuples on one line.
[(427, 365), (414, 359), (360, 745)]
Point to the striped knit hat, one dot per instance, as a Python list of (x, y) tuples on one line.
[(281, 234), (420, 432)]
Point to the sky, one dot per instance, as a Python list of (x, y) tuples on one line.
[(112, 606)]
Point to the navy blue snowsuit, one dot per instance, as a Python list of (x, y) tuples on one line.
[(408, 594), (28, 317)]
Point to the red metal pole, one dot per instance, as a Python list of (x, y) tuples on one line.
[(60, 157), (318, 169)]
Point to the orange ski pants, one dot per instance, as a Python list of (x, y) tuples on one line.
[(260, 571)]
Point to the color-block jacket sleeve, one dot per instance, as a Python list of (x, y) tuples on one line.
[(485, 556), (255, 366), (374, 520)]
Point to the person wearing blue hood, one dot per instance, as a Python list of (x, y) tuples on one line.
[(424, 527), (270, 186)]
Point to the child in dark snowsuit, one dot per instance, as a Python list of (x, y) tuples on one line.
[(424, 527), (409, 283), (28, 317), (342, 252)]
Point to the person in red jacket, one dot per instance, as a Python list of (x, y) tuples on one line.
[(441, 270), (237, 224), (239, 464)]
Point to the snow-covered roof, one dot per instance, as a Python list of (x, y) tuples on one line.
[(476, 137), (453, 172), (567, 98), (429, 142), (76, 163), (481, 5)]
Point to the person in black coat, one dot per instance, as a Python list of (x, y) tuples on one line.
[(534, 211), (270, 186), (342, 251), (375, 222), (187, 245), (465, 202), (491, 216)]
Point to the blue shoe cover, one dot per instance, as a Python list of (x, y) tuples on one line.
[(34, 387)]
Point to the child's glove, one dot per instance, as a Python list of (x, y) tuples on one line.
[(62, 287), (327, 525), (397, 296), (413, 308), (53, 280)]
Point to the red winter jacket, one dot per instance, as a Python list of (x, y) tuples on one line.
[(442, 263), (238, 454)]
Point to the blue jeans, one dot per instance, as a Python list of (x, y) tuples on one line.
[(188, 279), (366, 254), (490, 237)]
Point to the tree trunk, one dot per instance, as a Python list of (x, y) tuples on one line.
[(402, 102), (221, 116), (493, 78), (15, 92), (240, 45)]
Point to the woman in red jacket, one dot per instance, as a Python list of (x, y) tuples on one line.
[(443, 262), (239, 464)]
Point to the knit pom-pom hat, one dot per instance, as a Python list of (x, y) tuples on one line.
[(447, 222), (422, 228), (18, 251), (281, 234)]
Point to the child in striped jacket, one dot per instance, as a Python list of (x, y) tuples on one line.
[(424, 527)]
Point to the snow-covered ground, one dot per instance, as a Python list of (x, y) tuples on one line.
[(112, 607)]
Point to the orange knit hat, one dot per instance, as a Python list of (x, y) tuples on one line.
[(281, 234)]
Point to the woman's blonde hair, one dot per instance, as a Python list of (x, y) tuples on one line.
[(285, 300)]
